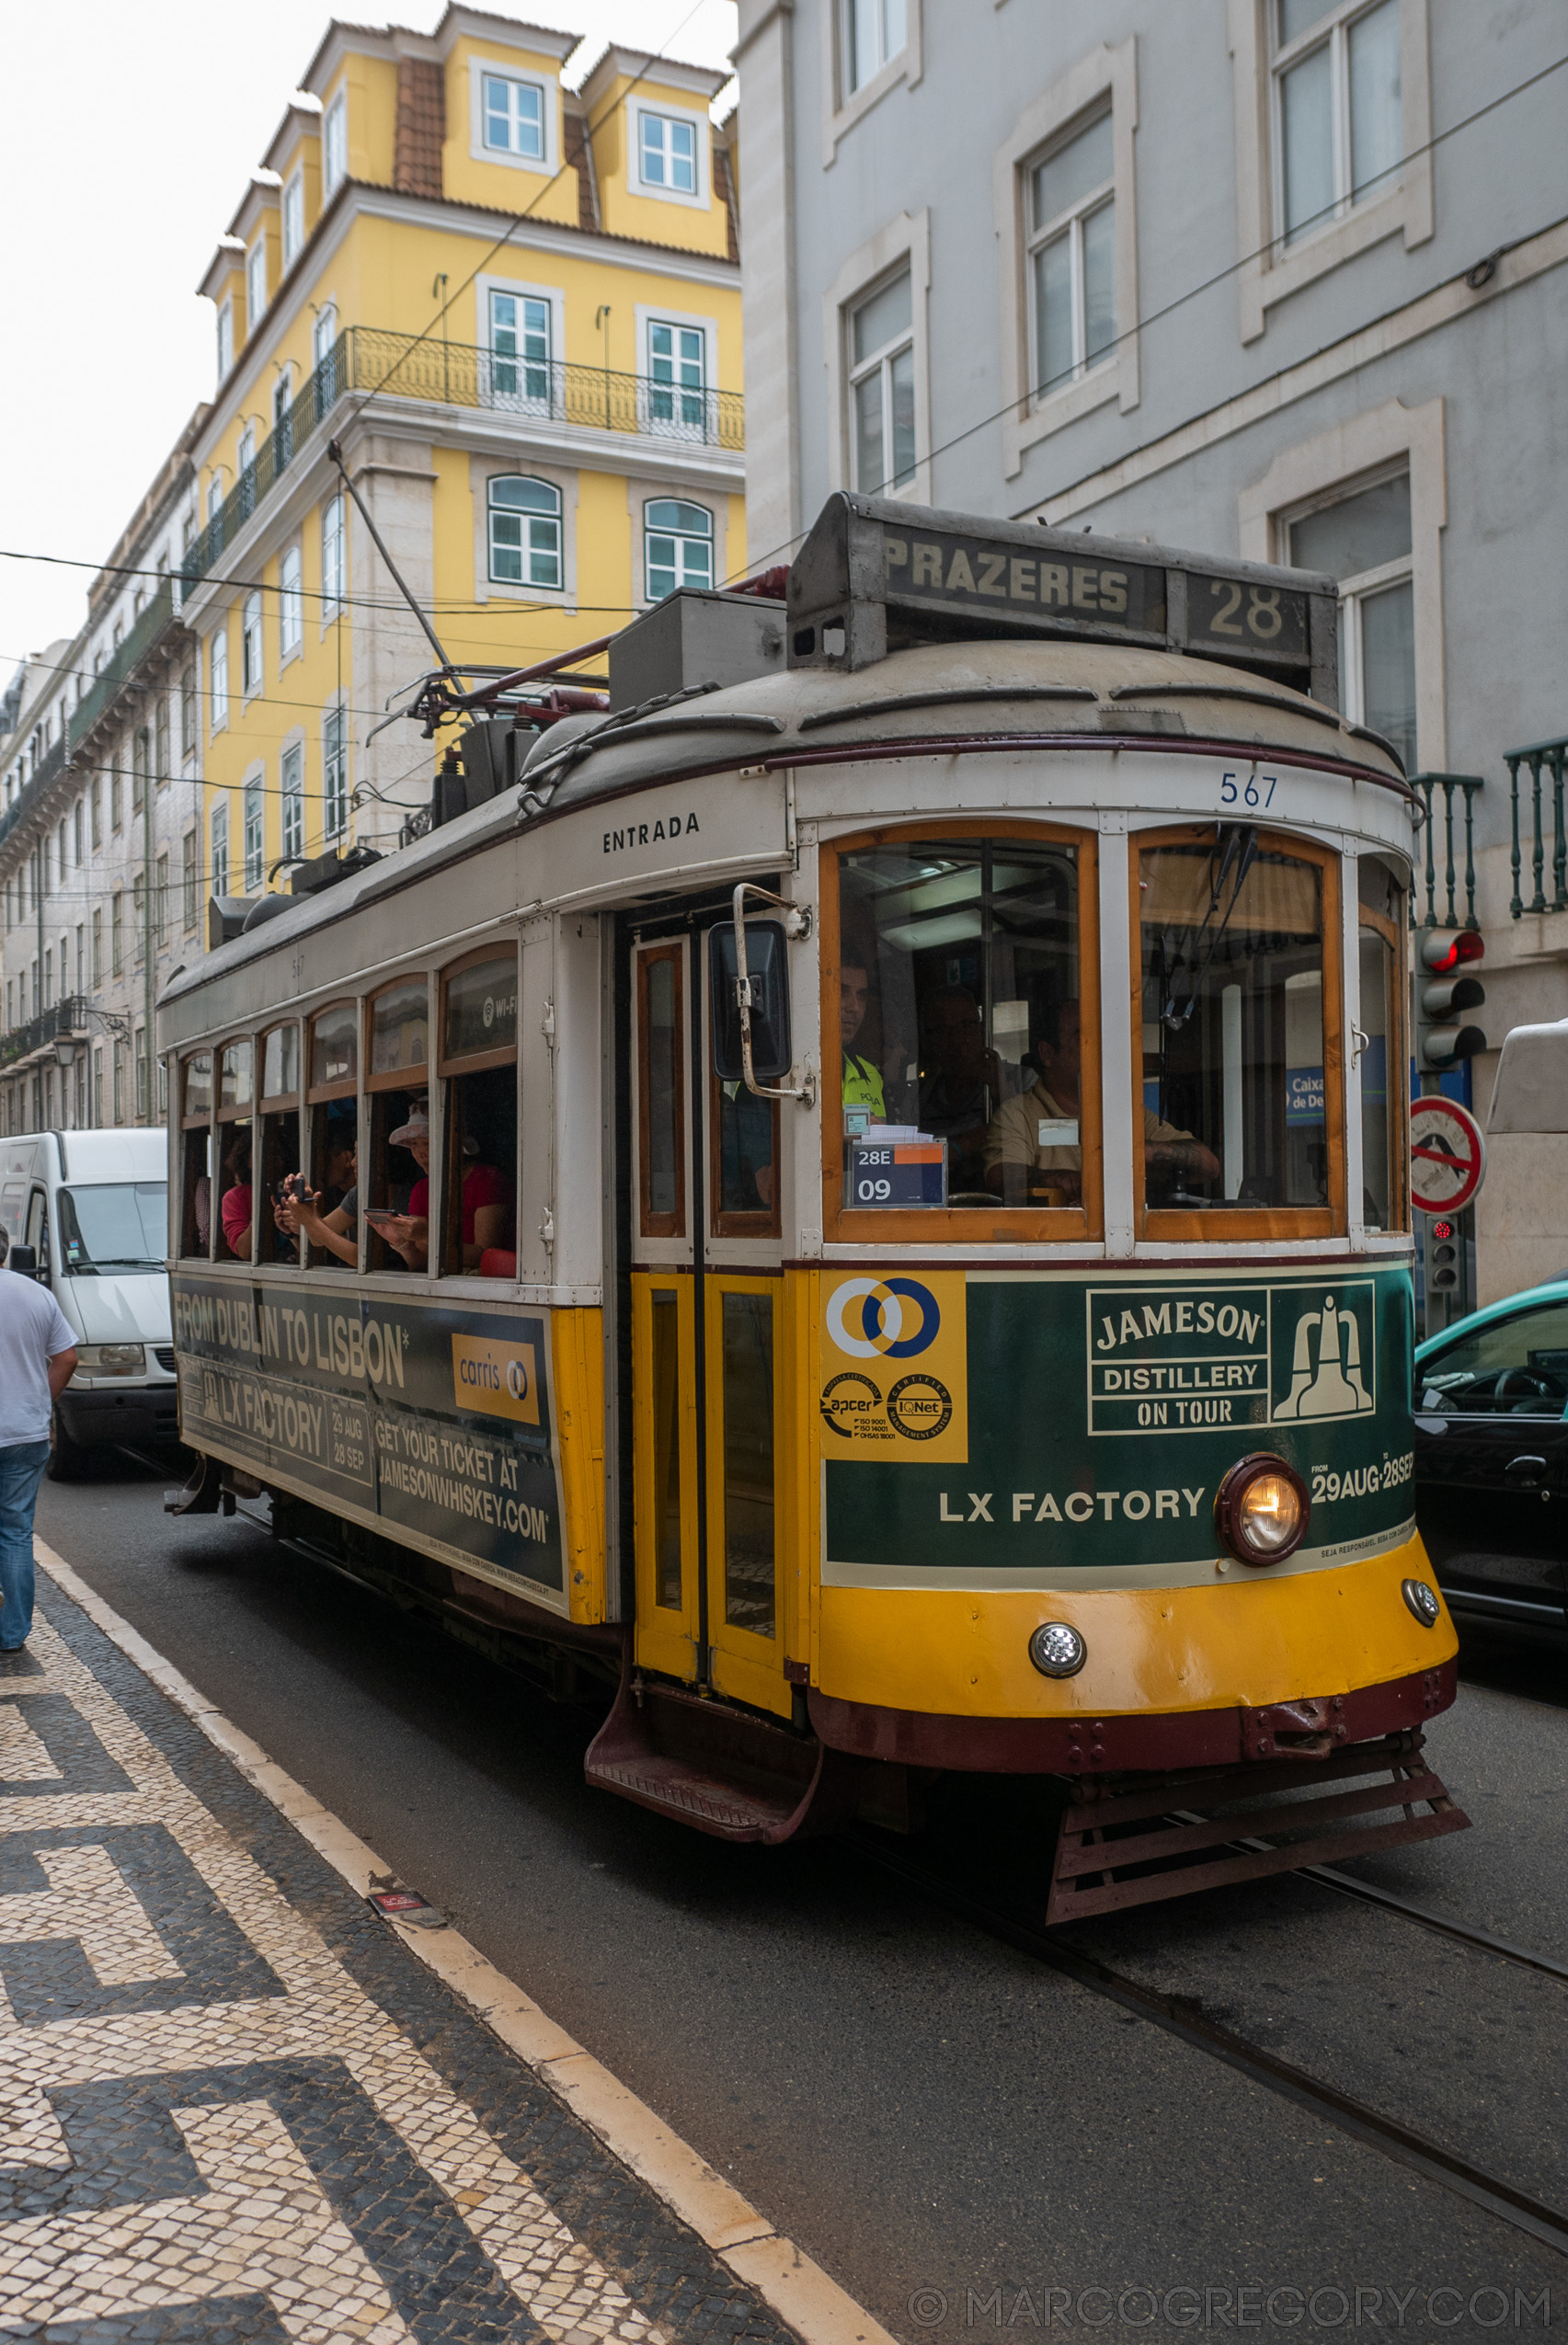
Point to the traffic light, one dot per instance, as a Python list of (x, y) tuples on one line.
[(1445, 991), (1442, 1242)]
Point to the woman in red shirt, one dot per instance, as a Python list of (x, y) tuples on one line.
[(486, 1202)]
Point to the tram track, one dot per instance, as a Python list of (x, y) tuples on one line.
[(1181, 2017)]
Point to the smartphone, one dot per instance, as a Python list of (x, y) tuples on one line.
[(380, 1213)]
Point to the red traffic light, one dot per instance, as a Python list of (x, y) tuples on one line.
[(1443, 953), (1442, 1229)]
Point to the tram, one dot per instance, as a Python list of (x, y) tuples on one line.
[(855, 1193)]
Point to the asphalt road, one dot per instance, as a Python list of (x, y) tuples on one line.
[(933, 2116)]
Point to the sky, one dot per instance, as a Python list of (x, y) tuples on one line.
[(127, 135)]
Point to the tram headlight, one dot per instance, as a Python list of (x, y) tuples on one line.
[(1056, 1650), (1262, 1510)]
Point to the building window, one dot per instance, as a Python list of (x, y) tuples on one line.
[(190, 878), (514, 116), (677, 546), (98, 950), (293, 802), (332, 557), (139, 769), (59, 855), (677, 390), (667, 149), (882, 387), (334, 774), (324, 356), (142, 1073), (293, 217), (1338, 108), (282, 419), (245, 460), (221, 847), (117, 930), (161, 738), (187, 734), (254, 848), (225, 338), (217, 680), (116, 807), (335, 145), (1072, 288), (215, 500), (78, 832), (119, 1084), (525, 532), (1364, 541), (49, 977), (250, 645), (160, 902), (139, 918), (520, 353), (81, 958), (873, 33), (256, 283), (290, 605)]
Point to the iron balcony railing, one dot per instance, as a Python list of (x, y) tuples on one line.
[(49, 767), (454, 374), (67, 1017), (1430, 786), (122, 662), (1543, 763)]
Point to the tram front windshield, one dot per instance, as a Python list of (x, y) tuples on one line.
[(959, 1015)]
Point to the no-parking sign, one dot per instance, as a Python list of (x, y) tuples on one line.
[(1447, 1155)]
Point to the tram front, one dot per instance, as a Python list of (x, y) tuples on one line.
[(1022, 1331)]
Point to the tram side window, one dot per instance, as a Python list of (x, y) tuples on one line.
[(280, 1110), (196, 1152), (398, 1158), (329, 1218), (960, 1022), (1380, 946), (1234, 1102), (480, 1155), (237, 1193)]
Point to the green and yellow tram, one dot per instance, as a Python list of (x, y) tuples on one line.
[(860, 1196)]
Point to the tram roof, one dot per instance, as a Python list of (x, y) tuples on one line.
[(1008, 694)]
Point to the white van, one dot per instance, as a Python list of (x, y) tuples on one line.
[(94, 1207)]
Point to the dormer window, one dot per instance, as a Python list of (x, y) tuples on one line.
[(335, 145), (293, 218), (514, 117), (256, 281), (668, 150)]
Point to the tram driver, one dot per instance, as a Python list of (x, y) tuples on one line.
[(1032, 1150)]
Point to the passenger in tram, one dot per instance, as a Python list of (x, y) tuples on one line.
[(488, 1213), (1033, 1154), (235, 1211), (333, 1230), (963, 1082)]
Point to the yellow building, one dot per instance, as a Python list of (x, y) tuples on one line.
[(518, 313)]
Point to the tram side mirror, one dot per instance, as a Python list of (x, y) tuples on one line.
[(771, 1055)]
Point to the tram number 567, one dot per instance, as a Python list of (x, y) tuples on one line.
[(1249, 792)]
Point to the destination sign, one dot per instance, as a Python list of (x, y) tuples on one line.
[(976, 573), (1240, 614)]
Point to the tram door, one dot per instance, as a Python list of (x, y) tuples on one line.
[(707, 1308)]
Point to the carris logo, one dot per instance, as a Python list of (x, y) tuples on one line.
[(882, 1318)]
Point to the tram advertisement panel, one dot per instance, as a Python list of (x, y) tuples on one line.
[(437, 1420), (1071, 1424)]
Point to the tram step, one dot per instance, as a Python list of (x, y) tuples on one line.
[(1182, 1815), (708, 1764)]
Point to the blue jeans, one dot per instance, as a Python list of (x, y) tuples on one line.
[(21, 1470)]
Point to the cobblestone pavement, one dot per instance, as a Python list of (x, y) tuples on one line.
[(233, 2106)]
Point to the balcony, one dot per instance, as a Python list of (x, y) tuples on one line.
[(1432, 786), (122, 663), (66, 1017), (49, 769), (454, 374), (1542, 763)]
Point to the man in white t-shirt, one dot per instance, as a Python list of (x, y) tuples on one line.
[(38, 1359)]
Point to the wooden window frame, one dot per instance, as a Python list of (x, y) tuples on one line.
[(475, 1062), (396, 1078), (248, 1114), (188, 1122), (651, 1224), (1394, 934), (764, 1226), (204, 1123), (967, 1225), (316, 1093), (279, 1103), (1264, 1223)]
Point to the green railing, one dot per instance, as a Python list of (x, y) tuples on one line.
[(454, 374), (122, 663), (1429, 785), (69, 1016), (1543, 762)]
